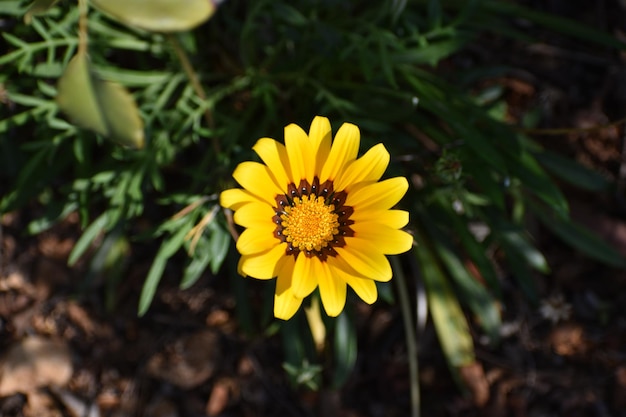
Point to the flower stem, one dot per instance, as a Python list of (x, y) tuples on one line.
[(410, 334), (195, 84)]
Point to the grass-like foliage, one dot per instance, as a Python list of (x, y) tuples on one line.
[(206, 95)]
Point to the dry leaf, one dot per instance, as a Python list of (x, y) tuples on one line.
[(34, 362), (474, 378)]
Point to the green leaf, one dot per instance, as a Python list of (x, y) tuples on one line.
[(517, 242), (554, 22), (572, 172), (434, 14), (533, 177), (151, 283), (88, 236), (522, 272), (450, 323), (474, 294), (397, 7), (299, 348), (168, 248), (579, 237), (345, 348), (55, 211), (429, 54), (484, 179), (219, 243), (289, 14), (101, 106), (36, 8), (158, 15), (197, 265)]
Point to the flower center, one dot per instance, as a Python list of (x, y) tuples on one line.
[(309, 224), (312, 219)]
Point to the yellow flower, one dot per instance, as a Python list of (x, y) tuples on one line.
[(316, 216)]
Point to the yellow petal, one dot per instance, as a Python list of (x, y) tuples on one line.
[(275, 157), (236, 197), (345, 148), (395, 219), (363, 287), (379, 195), (256, 179), (338, 263), (286, 304), (284, 279), (255, 214), (320, 135), (366, 259), (255, 240), (263, 265), (387, 240), (369, 167), (332, 291), (300, 152), (305, 273), (242, 259)]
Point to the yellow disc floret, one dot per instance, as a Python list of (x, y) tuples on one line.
[(309, 224)]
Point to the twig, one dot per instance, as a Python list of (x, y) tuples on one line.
[(568, 130), (195, 84)]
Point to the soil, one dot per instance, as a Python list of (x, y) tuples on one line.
[(67, 351)]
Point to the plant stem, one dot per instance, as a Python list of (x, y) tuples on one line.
[(410, 334), (82, 26), (195, 84)]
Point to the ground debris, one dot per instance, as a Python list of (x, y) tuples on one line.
[(32, 363), (188, 361)]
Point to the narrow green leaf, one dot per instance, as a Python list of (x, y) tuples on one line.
[(219, 243), (554, 22), (150, 284), (572, 172), (485, 181), (197, 265), (290, 14), (534, 178), (55, 212), (299, 347), (522, 272), (434, 14), (516, 241), (579, 238), (482, 147), (91, 232), (384, 60), (476, 251), (169, 246), (429, 54), (474, 294), (345, 349), (397, 7), (450, 323)]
